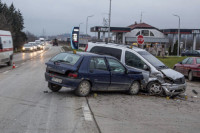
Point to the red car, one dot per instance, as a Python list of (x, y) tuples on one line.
[(189, 67)]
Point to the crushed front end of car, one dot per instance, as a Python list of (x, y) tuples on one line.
[(173, 82)]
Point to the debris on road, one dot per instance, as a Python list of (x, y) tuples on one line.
[(46, 91), (195, 92)]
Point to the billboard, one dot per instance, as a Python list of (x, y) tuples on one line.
[(75, 38)]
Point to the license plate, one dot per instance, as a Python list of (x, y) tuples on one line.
[(56, 80)]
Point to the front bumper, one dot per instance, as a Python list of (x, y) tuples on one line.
[(66, 82), (174, 89)]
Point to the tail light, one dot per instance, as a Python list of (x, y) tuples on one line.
[(73, 75), (86, 47)]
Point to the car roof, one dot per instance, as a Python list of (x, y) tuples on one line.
[(121, 46), (91, 54)]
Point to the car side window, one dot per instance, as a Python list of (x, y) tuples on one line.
[(107, 51), (134, 61), (185, 60), (115, 66), (190, 61), (98, 63)]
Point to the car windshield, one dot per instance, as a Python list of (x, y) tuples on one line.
[(67, 58), (152, 60), (198, 60)]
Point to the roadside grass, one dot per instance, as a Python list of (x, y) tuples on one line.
[(70, 49), (170, 61)]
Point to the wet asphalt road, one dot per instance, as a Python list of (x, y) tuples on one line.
[(27, 106)]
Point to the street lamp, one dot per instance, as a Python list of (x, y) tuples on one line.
[(179, 22), (109, 22), (87, 22)]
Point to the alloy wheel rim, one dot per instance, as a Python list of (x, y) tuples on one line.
[(84, 88), (155, 89), (134, 88)]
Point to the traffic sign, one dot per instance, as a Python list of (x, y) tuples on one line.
[(140, 39)]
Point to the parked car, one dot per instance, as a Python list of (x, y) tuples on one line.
[(84, 72), (6, 47), (189, 67), (191, 53), (34, 45), (159, 79), (28, 47)]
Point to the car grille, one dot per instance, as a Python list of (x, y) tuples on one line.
[(180, 81)]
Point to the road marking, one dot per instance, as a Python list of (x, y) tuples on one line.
[(5, 72), (86, 112), (23, 63)]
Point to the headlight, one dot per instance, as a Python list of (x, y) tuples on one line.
[(31, 48), (23, 48)]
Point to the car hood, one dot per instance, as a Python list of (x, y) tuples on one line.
[(172, 74)]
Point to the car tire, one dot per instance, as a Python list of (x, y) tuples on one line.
[(54, 87), (83, 88), (190, 76), (135, 88), (9, 63), (155, 88)]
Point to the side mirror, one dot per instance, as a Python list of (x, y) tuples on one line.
[(145, 67), (180, 62)]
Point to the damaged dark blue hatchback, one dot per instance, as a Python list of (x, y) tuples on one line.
[(84, 72)]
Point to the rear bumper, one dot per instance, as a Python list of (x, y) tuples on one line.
[(174, 89), (66, 82)]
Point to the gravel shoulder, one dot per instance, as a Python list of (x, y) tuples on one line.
[(118, 112)]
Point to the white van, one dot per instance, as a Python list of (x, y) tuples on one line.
[(158, 78), (6, 47)]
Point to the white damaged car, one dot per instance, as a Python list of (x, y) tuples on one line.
[(158, 78)]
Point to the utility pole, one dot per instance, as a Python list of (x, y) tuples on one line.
[(109, 22), (141, 18), (87, 22), (179, 23)]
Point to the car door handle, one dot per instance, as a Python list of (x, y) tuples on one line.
[(91, 71)]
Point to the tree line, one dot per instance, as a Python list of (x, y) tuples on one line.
[(12, 20)]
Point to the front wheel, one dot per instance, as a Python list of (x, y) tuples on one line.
[(9, 63), (155, 88), (83, 88), (135, 88), (54, 87)]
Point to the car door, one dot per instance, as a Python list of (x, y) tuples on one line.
[(180, 66), (99, 73), (119, 79), (187, 66), (133, 61)]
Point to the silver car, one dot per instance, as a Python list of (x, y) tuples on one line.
[(158, 78)]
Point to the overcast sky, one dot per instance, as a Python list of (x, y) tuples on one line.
[(59, 16)]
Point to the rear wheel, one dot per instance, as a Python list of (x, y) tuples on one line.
[(155, 88), (135, 88), (54, 87), (190, 76), (83, 89)]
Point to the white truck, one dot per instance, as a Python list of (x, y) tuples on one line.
[(6, 47)]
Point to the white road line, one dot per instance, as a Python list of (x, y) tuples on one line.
[(5, 72), (86, 112)]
